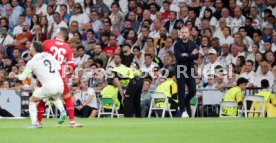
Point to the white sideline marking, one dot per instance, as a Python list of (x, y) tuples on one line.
[(131, 124)]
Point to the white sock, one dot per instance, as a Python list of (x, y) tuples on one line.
[(59, 105), (33, 112)]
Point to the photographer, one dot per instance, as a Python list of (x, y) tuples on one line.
[(85, 101)]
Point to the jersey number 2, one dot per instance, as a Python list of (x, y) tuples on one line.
[(47, 63)]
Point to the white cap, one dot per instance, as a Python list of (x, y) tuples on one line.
[(212, 51)]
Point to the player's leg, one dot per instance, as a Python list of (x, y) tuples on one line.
[(40, 111), (37, 95), (59, 105), (33, 109), (67, 98), (40, 108)]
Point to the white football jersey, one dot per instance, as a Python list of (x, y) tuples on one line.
[(45, 67)]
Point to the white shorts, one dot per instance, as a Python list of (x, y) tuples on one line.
[(48, 90)]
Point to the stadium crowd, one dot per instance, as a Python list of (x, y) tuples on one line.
[(235, 38)]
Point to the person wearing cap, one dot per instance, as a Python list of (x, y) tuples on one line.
[(185, 53), (235, 94), (269, 99), (213, 62)]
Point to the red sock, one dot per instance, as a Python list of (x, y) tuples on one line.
[(70, 108), (40, 111)]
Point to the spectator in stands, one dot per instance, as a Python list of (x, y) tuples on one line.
[(74, 27), (41, 8), (265, 73), (86, 101), (239, 64), (3, 7), (238, 20), (227, 38), (257, 38), (64, 13), (87, 4), (79, 16), (172, 22), (58, 23), (5, 39), (101, 8), (35, 21), (167, 48), (235, 94), (6, 85), (12, 17), (268, 31), (169, 60), (18, 29), (270, 58), (149, 65), (246, 39), (258, 59), (145, 98), (2, 75), (119, 37), (248, 72), (127, 56), (20, 41), (257, 21), (82, 57), (38, 35), (99, 54), (209, 69)]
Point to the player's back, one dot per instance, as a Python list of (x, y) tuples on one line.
[(46, 68), (59, 49)]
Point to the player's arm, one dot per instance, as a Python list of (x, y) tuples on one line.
[(273, 100), (26, 73), (70, 61), (239, 99)]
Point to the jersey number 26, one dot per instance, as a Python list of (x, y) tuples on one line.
[(58, 53)]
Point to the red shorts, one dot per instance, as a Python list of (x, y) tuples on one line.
[(66, 87)]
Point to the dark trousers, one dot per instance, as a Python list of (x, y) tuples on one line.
[(184, 100), (133, 97), (84, 112)]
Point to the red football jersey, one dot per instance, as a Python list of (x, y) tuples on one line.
[(61, 51)]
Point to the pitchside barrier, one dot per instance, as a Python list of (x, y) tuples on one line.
[(16, 101)]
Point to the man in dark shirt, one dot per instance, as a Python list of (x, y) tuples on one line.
[(185, 53), (127, 56)]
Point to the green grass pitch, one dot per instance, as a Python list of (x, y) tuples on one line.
[(123, 130)]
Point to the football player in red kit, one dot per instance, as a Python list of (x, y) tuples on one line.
[(63, 54)]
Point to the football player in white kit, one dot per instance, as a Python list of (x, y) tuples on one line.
[(46, 68)]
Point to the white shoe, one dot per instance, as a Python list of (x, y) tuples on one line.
[(185, 115), (34, 126)]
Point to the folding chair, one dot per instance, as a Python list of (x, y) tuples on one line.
[(194, 103), (155, 96), (49, 110), (211, 98), (232, 104), (257, 99), (102, 111)]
